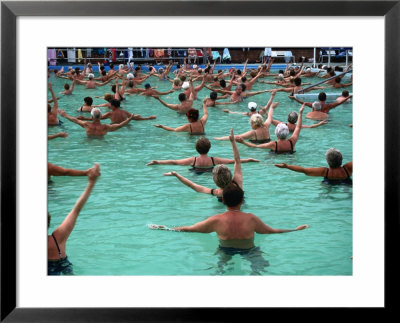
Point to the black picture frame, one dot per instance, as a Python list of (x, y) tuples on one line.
[(10, 10)]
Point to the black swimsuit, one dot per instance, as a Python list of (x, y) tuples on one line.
[(284, 152), (331, 181), (200, 170), (59, 267), (196, 133), (259, 141)]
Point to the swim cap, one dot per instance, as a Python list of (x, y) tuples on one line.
[(130, 76), (317, 106), (96, 113), (161, 70), (121, 66), (280, 77), (252, 106), (185, 85), (194, 66), (281, 130), (308, 69), (90, 76)]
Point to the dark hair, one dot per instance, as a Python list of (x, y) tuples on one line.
[(281, 71), (292, 73), (338, 79), (147, 86), (55, 71), (220, 71), (338, 68), (203, 145), (101, 68), (322, 96), (66, 86), (182, 97), (243, 86), (345, 93), (319, 65), (88, 100), (103, 72), (111, 65), (215, 78), (77, 69), (115, 103), (244, 79), (130, 84), (328, 69), (113, 88), (239, 72), (222, 83), (192, 114), (182, 78), (137, 68), (213, 95), (332, 73), (232, 195), (297, 81)]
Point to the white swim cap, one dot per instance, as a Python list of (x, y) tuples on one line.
[(131, 63), (280, 76), (252, 106), (324, 66), (96, 113), (185, 85), (130, 76), (194, 66), (281, 130), (121, 66), (90, 76), (317, 106), (308, 69)]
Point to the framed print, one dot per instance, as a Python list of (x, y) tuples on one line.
[(162, 292)]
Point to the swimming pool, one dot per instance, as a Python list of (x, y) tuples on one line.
[(111, 236)]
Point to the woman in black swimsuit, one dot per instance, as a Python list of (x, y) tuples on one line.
[(335, 174), (87, 105), (195, 126), (58, 263), (282, 145), (202, 163), (222, 175)]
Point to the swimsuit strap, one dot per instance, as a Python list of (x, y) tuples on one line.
[(194, 163), (190, 128), (212, 191), (202, 125), (255, 134), (327, 171), (276, 147), (212, 159), (291, 146), (347, 173), (58, 248)]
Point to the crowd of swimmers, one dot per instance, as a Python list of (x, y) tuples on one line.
[(235, 229)]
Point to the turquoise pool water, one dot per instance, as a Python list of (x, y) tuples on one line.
[(111, 236)]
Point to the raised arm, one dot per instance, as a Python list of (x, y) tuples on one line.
[(64, 230), (333, 105), (268, 122), (237, 169), (54, 98), (308, 104), (205, 112), (296, 131), (170, 106)]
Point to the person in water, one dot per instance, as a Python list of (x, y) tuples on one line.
[(95, 128), (54, 170), (282, 145), (222, 176), (57, 260), (316, 113), (203, 162), (335, 174), (292, 119), (195, 126), (185, 105), (52, 113), (87, 105), (343, 97), (57, 135), (260, 129), (325, 107), (235, 229)]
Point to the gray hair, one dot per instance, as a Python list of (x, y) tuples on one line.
[(292, 117), (256, 120), (317, 106), (333, 157), (96, 113), (281, 131), (222, 176)]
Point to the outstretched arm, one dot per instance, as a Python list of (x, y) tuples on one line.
[(60, 134), (54, 170), (174, 107), (192, 185), (181, 162), (64, 230), (178, 129), (74, 120), (262, 228), (113, 127), (316, 124), (310, 171)]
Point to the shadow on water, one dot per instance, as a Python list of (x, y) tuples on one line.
[(335, 192), (254, 256)]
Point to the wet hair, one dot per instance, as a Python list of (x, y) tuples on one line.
[(345, 93), (131, 84), (108, 97), (88, 100), (177, 81), (220, 71), (244, 79), (182, 97), (333, 157), (338, 79), (66, 86), (222, 83), (292, 117), (256, 120), (115, 103), (213, 95), (183, 78), (178, 65), (203, 145), (112, 65), (281, 131), (232, 195), (322, 96), (222, 176), (192, 115), (297, 81), (147, 86), (243, 86)]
